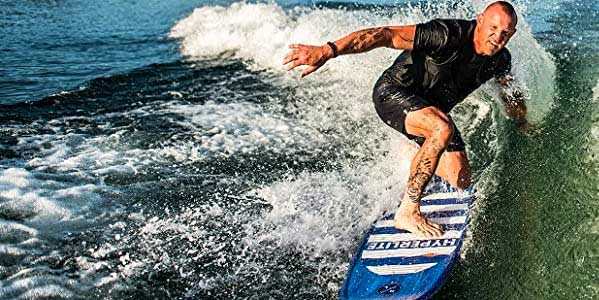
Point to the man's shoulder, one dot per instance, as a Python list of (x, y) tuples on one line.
[(502, 62), (443, 34), (503, 56), (462, 25), (463, 22)]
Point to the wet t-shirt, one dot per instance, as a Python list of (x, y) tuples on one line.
[(443, 67)]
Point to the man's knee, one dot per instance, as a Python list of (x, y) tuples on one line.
[(431, 123), (442, 132)]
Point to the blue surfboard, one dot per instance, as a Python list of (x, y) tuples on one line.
[(395, 264)]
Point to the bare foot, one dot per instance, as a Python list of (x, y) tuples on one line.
[(408, 218)]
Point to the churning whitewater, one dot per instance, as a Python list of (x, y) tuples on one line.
[(167, 154)]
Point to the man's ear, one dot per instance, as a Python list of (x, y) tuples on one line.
[(479, 19), (512, 34)]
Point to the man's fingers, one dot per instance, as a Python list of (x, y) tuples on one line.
[(289, 54), (302, 55), (309, 70), (293, 64), (289, 57)]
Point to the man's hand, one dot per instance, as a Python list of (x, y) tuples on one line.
[(514, 102), (306, 55)]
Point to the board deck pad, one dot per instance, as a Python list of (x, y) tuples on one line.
[(395, 264)]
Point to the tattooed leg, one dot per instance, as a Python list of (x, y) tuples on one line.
[(423, 167), (426, 161)]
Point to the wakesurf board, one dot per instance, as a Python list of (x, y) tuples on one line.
[(395, 264)]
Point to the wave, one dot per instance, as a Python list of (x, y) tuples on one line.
[(262, 41), (593, 149), (222, 162), (320, 212), (343, 85)]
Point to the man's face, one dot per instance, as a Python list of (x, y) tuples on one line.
[(494, 30)]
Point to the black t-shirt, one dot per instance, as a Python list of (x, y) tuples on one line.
[(443, 67)]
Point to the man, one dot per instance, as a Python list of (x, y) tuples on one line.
[(443, 62)]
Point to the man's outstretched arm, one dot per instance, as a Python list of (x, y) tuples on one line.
[(513, 100), (396, 37)]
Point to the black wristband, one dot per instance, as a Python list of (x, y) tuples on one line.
[(334, 48)]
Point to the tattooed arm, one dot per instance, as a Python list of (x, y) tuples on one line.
[(513, 100), (396, 37)]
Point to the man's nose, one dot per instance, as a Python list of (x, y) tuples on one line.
[(497, 38)]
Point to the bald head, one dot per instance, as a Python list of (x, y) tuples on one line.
[(502, 7), (494, 28)]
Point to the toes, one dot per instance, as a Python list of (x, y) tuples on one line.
[(436, 228), (429, 230), (419, 226), (424, 231), (437, 232)]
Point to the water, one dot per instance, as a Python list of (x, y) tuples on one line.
[(154, 150)]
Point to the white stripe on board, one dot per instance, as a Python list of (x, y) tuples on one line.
[(399, 237), (399, 269), (446, 207), (449, 195), (445, 220), (410, 252)]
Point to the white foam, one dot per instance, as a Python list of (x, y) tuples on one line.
[(47, 291), (90, 156), (8, 227), (263, 41), (184, 227), (319, 212), (41, 207), (15, 177), (212, 30), (594, 148), (26, 196), (13, 251), (217, 130), (223, 130), (324, 211)]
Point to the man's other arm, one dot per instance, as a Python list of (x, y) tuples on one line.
[(514, 101)]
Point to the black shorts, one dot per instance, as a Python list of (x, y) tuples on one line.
[(393, 103)]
